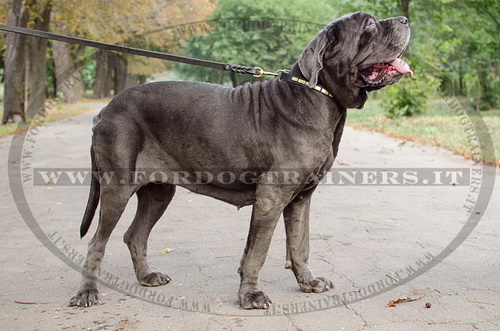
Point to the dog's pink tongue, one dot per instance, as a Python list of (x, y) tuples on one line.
[(402, 67)]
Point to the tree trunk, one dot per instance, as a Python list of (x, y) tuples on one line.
[(101, 72), (234, 80), (109, 82), (15, 64), (68, 79), (489, 95), (120, 73), (131, 80), (104, 75), (37, 64)]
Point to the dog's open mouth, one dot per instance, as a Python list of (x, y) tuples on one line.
[(375, 74)]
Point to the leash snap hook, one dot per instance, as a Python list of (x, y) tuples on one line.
[(261, 72)]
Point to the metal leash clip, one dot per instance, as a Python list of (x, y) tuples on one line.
[(261, 72)]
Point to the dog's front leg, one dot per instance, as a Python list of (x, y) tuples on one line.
[(296, 215), (269, 203)]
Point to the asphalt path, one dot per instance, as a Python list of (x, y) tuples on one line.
[(378, 240)]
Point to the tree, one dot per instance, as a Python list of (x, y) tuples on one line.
[(37, 59), (3, 18), (25, 57), (66, 71), (103, 76), (120, 73), (15, 64), (456, 40), (137, 23), (124, 20), (265, 34)]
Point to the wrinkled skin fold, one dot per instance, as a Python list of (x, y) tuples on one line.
[(251, 131)]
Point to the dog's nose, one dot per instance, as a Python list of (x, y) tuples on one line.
[(403, 20)]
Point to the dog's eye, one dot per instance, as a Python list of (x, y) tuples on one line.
[(369, 25)]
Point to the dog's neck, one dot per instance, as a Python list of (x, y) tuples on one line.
[(295, 71)]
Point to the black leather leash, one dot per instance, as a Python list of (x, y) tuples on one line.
[(255, 71)]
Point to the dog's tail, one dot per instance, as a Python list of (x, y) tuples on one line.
[(95, 191)]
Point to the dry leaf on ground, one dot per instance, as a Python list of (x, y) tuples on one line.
[(393, 303)]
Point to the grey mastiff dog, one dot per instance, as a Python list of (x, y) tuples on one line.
[(265, 144)]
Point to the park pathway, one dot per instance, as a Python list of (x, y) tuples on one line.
[(367, 238)]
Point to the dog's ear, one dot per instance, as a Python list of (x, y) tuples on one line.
[(311, 60)]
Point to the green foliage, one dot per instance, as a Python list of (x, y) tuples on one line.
[(457, 38), (464, 35), (266, 34), (410, 96), (88, 74), (89, 68)]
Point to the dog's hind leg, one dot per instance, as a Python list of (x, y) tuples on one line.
[(296, 215), (114, 199), (153, 200)]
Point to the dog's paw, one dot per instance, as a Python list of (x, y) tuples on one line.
[(317, 285), (155, 279), (85, 298), (255, 300)]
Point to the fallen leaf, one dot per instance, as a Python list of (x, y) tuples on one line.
[(166, 250), (342, 163), (393, 303), (48, 189)]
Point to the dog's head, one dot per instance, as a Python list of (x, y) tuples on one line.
[(356, 54)]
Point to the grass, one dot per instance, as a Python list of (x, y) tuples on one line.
[(62, 111), (439, 126)]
